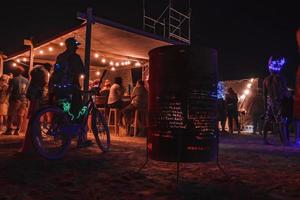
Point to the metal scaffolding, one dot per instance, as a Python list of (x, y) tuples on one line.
[(171, 23)]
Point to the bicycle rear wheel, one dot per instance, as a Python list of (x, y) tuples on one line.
[(100, 130), (47, 136)]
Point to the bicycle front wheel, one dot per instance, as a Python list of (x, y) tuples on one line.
[(100, 130), (48, 137)]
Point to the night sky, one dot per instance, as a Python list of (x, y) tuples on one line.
[(245, 34)]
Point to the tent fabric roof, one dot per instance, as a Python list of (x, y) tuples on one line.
[(111, 40)]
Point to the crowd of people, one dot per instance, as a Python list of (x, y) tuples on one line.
[(21, 97), (47, 85), (272, 106)]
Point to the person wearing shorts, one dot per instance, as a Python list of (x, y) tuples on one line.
[(17, 101)]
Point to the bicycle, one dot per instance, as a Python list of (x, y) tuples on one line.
[(53, 128)]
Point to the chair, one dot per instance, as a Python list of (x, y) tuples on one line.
[(114, 112)]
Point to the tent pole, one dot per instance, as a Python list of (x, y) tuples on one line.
[(87, 54), (1, 63), (30, 44)]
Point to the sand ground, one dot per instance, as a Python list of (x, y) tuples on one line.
[(254, 171)]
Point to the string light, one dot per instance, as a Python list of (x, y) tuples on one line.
[(96, 55), (61, 44), (50, 49), (113, 68), (103, 60), (81, 76), (24, 59), (247, 91), (98, 73), (137, 64), (18, 60), (41, 51), (117, 64), (111, 63), (14, 64)]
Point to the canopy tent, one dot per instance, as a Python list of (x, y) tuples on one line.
[(113, 46)]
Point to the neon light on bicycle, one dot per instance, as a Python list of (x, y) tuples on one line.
[(82, 112), (66, 108)]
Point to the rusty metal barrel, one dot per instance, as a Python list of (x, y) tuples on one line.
[(182, 104)]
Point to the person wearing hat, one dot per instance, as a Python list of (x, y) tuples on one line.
[(64, 83)]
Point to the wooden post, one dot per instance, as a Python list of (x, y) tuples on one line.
[(1, 63), (29, 43), (87, 54)]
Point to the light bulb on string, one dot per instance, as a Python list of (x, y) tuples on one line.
[(98, 73), (137, 64), (61, 44), (96, 55), (242, 97), (113, 68), (50, 49), (247, 91), (249, 85), (103, 60)]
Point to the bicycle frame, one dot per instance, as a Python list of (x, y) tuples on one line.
[(79, 129)]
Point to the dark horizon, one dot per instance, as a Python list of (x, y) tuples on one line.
[(245, 35)]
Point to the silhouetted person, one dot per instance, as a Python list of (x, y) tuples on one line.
[(257, 110), (17, 101), (274, 92), (231, 100), (221, 113), (64, 83), (37, 92)]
